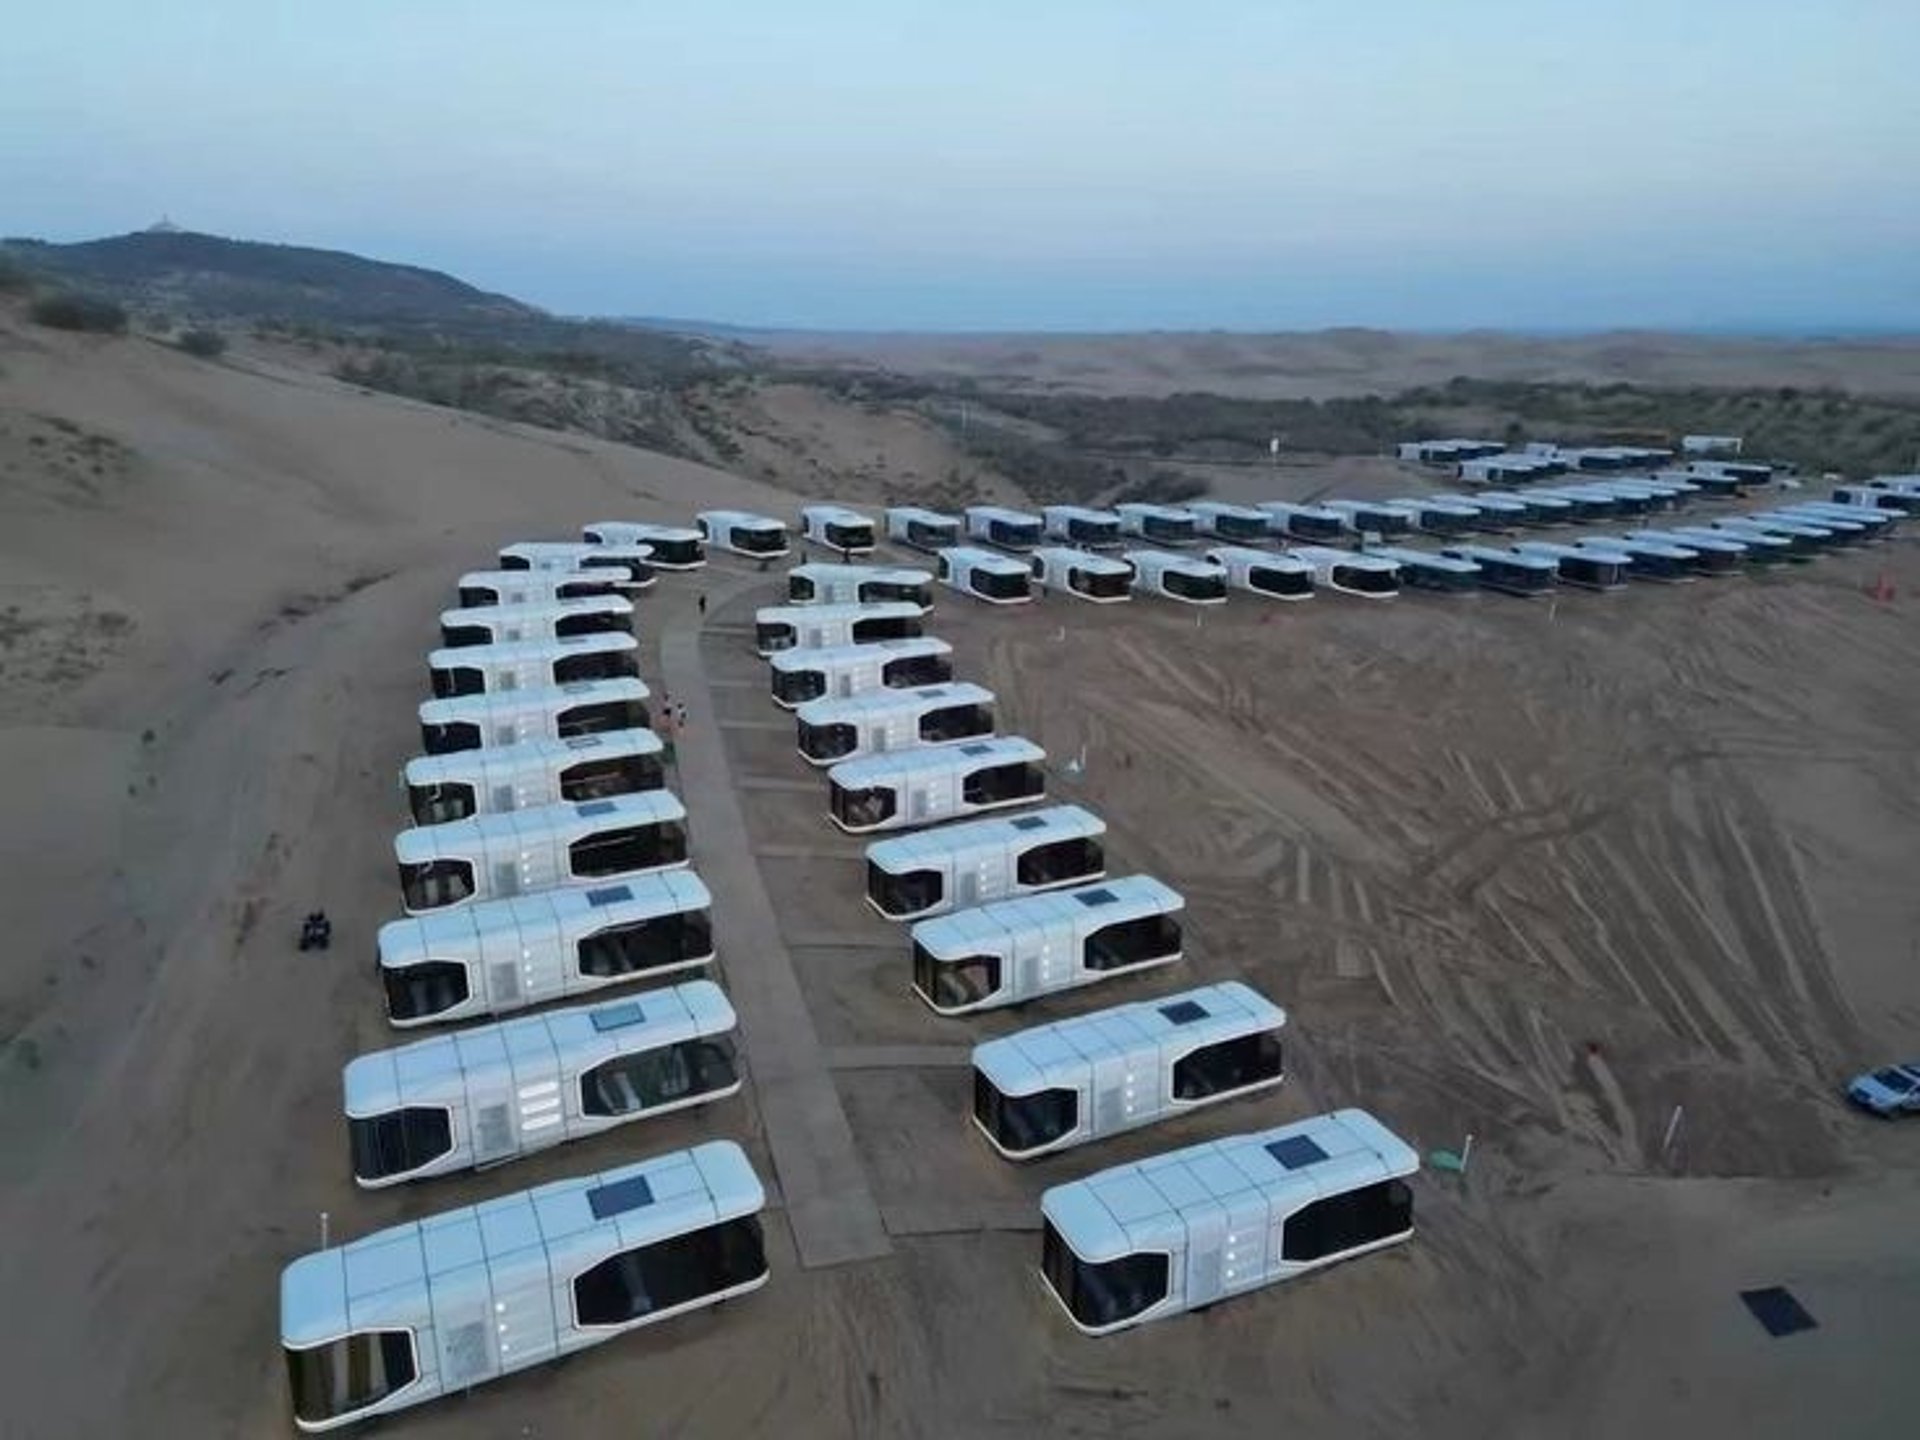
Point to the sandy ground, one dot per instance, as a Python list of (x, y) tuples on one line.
[(1318, 365), (1536, 871)]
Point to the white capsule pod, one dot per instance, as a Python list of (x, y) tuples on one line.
[(984, 575), (844, 531), (1505, 570), (1162, 524), (437, 1306), (1874, 524), (1536, 509), (1312, 523), (1183, 1230), (829, 731), (498, 956), (1710, 557), (1599, 569), (510, 717), (1660, 561), (1190, 579), (1497, 514), (1235, 524), (1008, 952), (1382, 518), (742, 532), (920, 529), (483, 1096), (1442, 517), (933, 783), (859, 585), (634, 562), (838, 671), (1350, 572), (818, 627), (476, 625), (484, 588), (532, 664), (1076, 1081), (951, 867), (544, 771), (1432, 571), (1081, 526), (1004, 529), (490, 857), (1101, 579), (671, 547), (1879, 497), (1274, 574)]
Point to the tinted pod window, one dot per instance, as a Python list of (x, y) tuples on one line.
[(1060, 860), (886, 627), (623, 775), (1194, 587), (1102, 1295), (1345, 1222), (1230, 1065), (629, 1084), (677, 552), (515, 562), (797, 686), (1280, 582), (437, 804), (996, 783), (1132, 942), (801, 587), (761, 541), (876, 592), (335, 1380), (418, 992), (912, 670), (593, 622), (602, 665), (998, 586), (472, 595), (664, 1276), (773, 635), (955, 722), (826, 742), (435, 883), (1102, 583), (449, 739), (636, 847), (907, 894), (656, 944), (1369, 581), (1022, 1123), (399, 1141), (599, 718), (849, 537), (457, 636), (861, 809), (452, 680), (955, 984)]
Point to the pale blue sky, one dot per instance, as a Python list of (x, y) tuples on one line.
[(1245, 164)]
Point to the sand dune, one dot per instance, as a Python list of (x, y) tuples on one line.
[(1538, 872)]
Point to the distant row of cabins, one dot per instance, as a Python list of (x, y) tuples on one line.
[(549, 861)]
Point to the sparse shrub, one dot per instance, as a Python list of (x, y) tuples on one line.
[(13, 275), (69, 310), (207, 344)]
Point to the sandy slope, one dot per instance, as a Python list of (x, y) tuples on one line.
[(1538, 872)]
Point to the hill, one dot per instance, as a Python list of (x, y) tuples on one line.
[(209, 275)]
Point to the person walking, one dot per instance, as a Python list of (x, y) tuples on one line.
[(702, 603), (680, 718)]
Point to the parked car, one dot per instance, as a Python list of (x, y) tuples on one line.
[(1892, 1091)]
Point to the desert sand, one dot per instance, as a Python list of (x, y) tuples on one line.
[(1539, 872)]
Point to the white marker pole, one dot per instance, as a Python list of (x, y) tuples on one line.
[(323, 1229), (1673, 1129)]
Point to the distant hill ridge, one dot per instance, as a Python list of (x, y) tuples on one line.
[(212, 275)]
